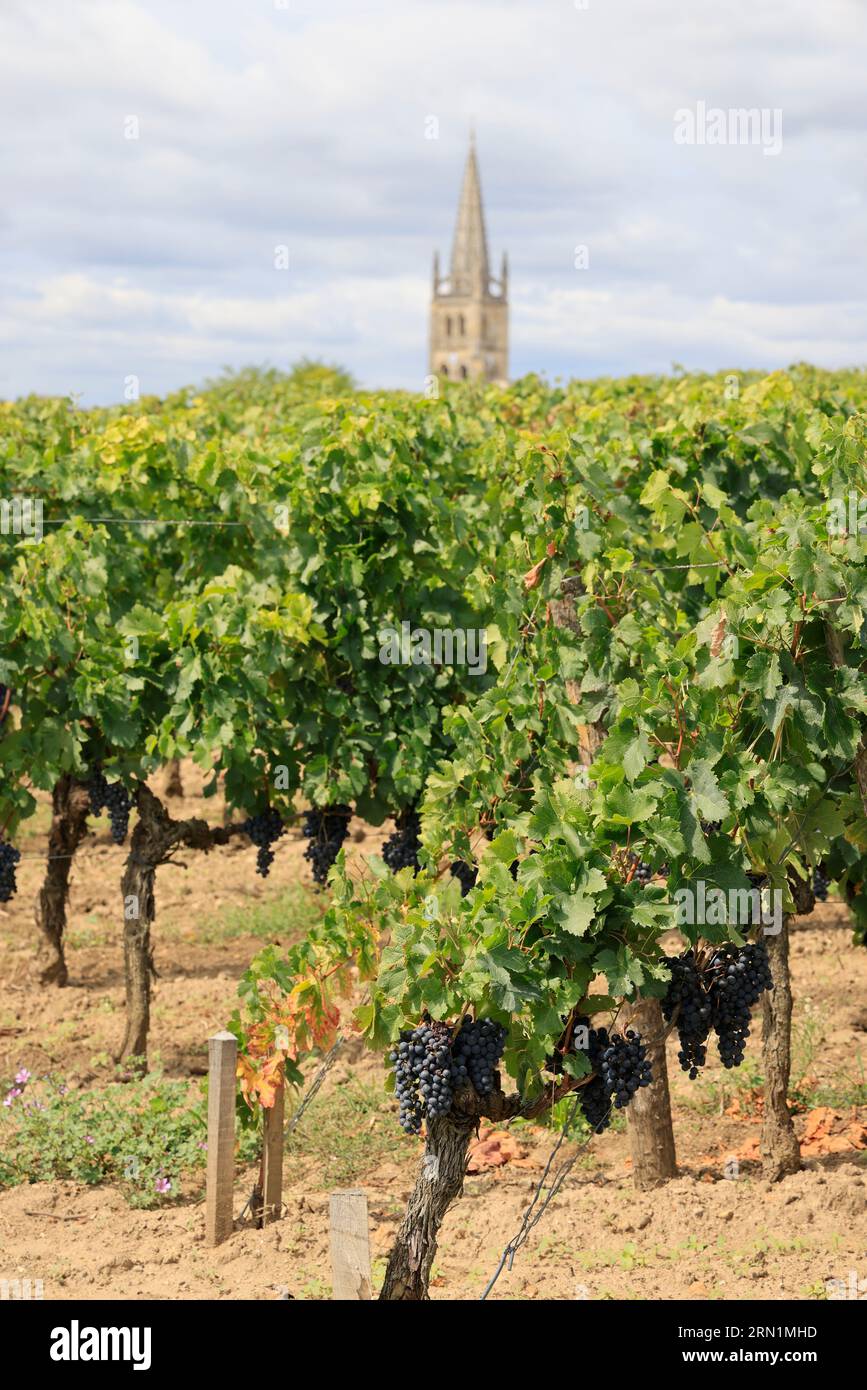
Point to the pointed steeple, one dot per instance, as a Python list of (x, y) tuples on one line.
[(470, 272), (469, 323)]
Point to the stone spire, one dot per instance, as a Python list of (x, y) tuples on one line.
[(470, 272), (469, 332)]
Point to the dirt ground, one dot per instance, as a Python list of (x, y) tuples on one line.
[(717, 1231)]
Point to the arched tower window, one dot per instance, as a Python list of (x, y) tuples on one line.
[(463, 372), (448, 325), (444, 369), (463, 326)]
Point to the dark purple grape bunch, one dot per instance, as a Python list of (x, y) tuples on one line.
[(719, 996), (429, 1067), (737, 979), (821, 883), (595, 1104), (686, 994), (643, 872), (263, 829), (112, 797), (422, 1074), (620, 1067), (466, 875), (400, 850), (326, 828), (624, 1067), (477, 1050), (9, 857)]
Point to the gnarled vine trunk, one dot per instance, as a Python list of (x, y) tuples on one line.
[(651, 1134), (148, 848), (440, 1181), (154, 838), (70, 804), (781, 1153)]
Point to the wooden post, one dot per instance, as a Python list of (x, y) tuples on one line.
[(222, 1063), (350, 1247), (272, 1159)]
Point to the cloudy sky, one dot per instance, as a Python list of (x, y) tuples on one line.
[(304, 124)]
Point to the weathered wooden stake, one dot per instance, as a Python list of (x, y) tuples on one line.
[(350, 1247), (272, 1159), (222, 1062)]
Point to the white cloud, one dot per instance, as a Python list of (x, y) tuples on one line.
[(262, 126)]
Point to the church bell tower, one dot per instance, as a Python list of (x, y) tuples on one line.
[(469, 321)]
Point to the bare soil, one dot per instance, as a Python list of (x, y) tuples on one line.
[(717, 1231)]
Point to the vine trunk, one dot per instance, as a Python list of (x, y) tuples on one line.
[(440, 1182), (70, 804), (781, 1152), (651, 1133)]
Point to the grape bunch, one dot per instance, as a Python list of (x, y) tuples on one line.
[(694, 1018), (643, 872), (476, 1051), (9, 857), (263, 829), (326, 829), (621, 1068), (595, 1104), (113, 797), (466, 875), (719, 996), (738, 978), (429, 1067), (821, 883), (711, 827), (422, 1074), (400, 850)]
